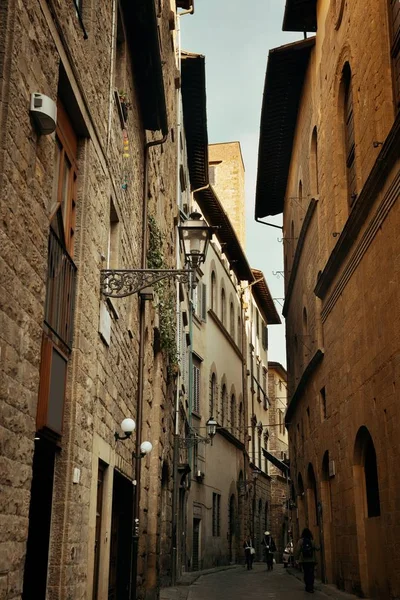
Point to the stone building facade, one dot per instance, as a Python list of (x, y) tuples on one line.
[(278, 447), (73, 203), (336, 179)]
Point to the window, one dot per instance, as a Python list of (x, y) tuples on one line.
[(213, 292), (258, 370), (264, 337), (264, 380), (257, 324), (371, 481), (211, 174), (314, 163), (322, 395), (224, 396), (216, 515), (61, 277), (113, 239), (259, 445), (241, 431), (394, 18), (196, 386), (233, 413), (348, 118), (232, 321), (200, 301), (120, 55), (213, 393), (239, 332), (223, 307)]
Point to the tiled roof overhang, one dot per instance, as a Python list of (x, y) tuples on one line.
[(216, 216), (286, 69), (278, 367), (264, 300), (195, 117), (142, 33), (300, 15), (186, 4)]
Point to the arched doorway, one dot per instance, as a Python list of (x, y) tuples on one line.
[(313, 508), (326, 521), (301, 513), (371, 550), (232, 529)]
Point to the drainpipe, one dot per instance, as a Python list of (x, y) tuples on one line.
[(139, 404), (175, 460)]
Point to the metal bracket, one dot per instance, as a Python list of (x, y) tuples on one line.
[(119, 283), (195, 439)]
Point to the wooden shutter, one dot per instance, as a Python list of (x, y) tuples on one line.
[(203, 301), (349, 136)]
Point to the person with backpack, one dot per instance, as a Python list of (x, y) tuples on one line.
[(270, 548), (249, 552), (306, 555)]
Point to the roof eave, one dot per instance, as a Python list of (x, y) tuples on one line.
[(300, 16), (286, 69), (216, 216), (264, 300), (195, 117)]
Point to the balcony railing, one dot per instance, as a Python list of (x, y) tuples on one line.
[(60, 293)]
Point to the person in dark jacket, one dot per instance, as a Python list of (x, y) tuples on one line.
[(248, 552), (270, 548), (305, 554)]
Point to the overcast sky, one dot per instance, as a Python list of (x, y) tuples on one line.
[(235, 37)]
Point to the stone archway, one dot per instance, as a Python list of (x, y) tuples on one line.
[(326, 522), (371, 547)]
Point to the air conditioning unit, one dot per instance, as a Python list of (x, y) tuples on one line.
[(199, 474), (332, 468)]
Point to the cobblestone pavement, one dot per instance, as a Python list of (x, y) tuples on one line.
[(257, 584)]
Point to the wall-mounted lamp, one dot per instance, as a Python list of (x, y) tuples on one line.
[(128, 426), (194, 236)]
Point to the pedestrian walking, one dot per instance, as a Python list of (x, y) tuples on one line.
[(270, 548), (306, 555), (249, 552)]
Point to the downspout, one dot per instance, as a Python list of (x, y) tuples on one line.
[(175, 460), (139, 403)]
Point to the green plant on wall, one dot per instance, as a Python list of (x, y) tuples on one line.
[(166, 297)]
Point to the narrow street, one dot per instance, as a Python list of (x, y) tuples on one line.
[(257, 584)]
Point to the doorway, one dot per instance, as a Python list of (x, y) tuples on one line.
[(196, 545), (37, 551), (121, 538)]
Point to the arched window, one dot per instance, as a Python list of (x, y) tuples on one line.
[(305, 320), (259, 446), (223, 404), (232, 321), (213, 393), (371, 480), (349, 139), (213, 292), (241, 432), (233, 413), (300, 193), (314, 163), (239, 332), (223, 307)]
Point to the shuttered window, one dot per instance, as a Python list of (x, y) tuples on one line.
[(196, 388)]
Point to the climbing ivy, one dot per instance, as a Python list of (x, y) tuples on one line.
[(166, 296)]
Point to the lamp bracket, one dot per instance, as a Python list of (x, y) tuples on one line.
[(119, 283), (193, 440)]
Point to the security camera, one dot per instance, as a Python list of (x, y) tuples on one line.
[(44, 113)]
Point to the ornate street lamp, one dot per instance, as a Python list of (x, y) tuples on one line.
[(194, 236)]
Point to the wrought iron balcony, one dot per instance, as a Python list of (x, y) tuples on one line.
[(60, 293)]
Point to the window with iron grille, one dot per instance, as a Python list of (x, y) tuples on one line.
[(61, 280), (216, 515)]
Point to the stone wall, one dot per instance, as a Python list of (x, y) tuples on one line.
[(355, 322), (102, 378)]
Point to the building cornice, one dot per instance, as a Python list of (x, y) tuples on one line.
[(307, 373), (298, 253)]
